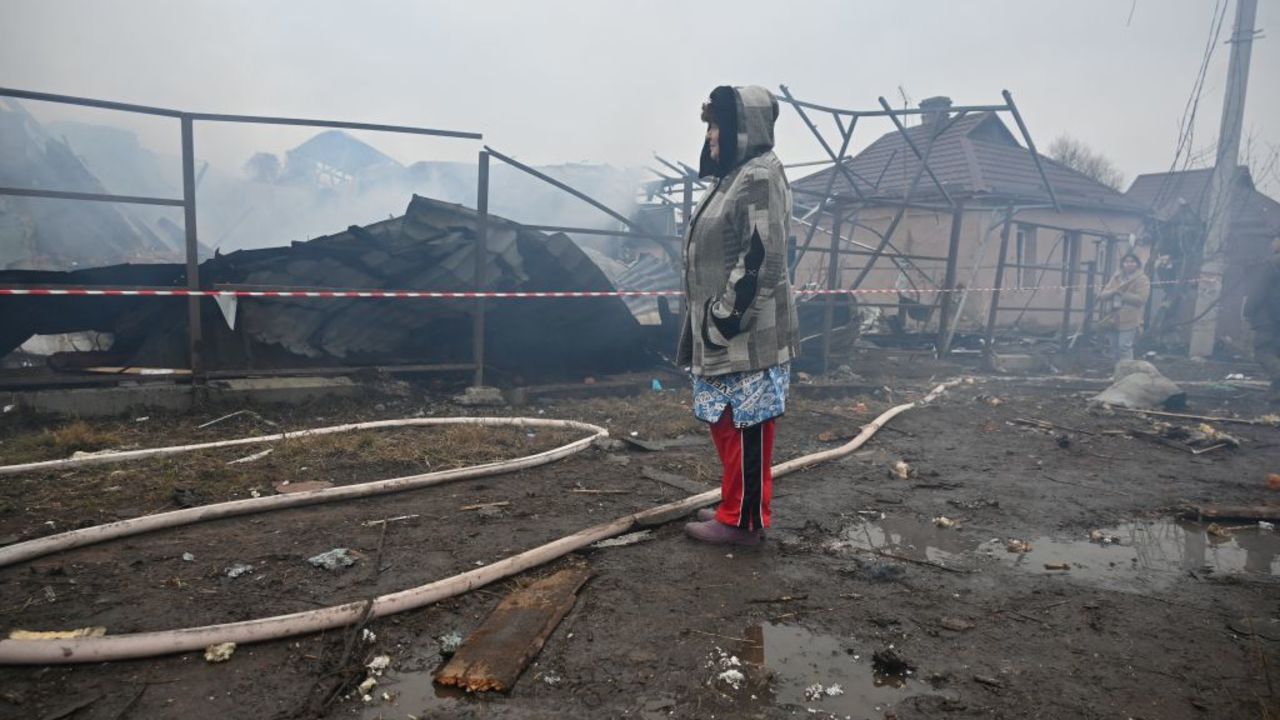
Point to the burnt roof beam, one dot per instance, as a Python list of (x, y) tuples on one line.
[(906, 137), (1031, 146), (567, 188)]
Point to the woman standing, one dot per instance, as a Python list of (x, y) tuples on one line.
[(1128, 292), (739, 331)]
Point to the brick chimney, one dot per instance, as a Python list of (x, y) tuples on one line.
[(936, 110)]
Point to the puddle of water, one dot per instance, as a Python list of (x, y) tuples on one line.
[(1159, 552), (1154, 553), (908, 537), (413, 693), (787, 660)]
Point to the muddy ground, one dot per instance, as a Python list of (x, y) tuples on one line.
[(855, 568)]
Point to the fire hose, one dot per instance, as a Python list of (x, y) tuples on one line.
[(165, 642)]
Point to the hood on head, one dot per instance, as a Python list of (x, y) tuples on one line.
[(746, 116)]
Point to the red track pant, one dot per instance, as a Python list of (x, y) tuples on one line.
[(747, 484)]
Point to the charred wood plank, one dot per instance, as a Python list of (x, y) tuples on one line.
[(493, 657)]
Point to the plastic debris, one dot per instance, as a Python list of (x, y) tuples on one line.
[(334, 559), (1103, 538), (10, 408), (220, 652), (238, 569), (732, 677), (1017, 546), (1218, 531), (142, 419), (1139, 385), (1266, 526), (817, 691), (366, 687), (902, 470), (450, 643), (379, 664), (84, 632), (251, 458), (1057, 566), (188, 557), (368, 636), (551, 679), (287, 487), (655, 385), (943, 521)]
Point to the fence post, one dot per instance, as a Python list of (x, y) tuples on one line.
[(949, 282), (1070, 255), (989, 344), (195, 331), (833, 281), (481, 257)]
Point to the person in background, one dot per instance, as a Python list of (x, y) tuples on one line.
[(1127, 294), (740, 328), (1262, 310)]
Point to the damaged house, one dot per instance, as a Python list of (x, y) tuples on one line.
[(1178, 207), (985, 171)]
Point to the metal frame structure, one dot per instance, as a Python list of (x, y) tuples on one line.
[(482, 204), (187, 122), (843, 208)]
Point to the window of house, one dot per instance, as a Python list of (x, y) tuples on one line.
[(1026, 255)]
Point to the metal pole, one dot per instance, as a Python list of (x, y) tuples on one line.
[(906, 137), (902, 211), (1031, 147), (686, 209), (949, 281), (194, 329), (989, 346), (1070, 255), (833, 281), (567, 188), (1090, 297), (1226, 174), (481, 258)]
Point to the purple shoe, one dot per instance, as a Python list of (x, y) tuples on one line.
[(717, 533), (705, 514)]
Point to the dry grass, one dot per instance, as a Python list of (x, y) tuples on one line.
[(651, 416), (102, 493), (75, 436)]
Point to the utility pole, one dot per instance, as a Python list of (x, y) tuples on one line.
[(1226, 174)]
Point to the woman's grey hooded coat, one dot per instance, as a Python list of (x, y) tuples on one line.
[(740, 314)]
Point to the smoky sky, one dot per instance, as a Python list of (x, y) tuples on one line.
[(557, 81)]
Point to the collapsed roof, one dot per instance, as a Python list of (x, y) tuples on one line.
[(430, 247)]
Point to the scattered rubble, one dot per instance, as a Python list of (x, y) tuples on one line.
[(1017, 546), (1139, 385), (221, 652), (251, 458), (481, 397), (333, 559)]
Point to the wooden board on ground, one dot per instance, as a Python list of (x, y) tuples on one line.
[(493, 657)]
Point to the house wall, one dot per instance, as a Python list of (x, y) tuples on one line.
[(928, 233)]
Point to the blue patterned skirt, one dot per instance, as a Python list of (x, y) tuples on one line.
[(755, 396)]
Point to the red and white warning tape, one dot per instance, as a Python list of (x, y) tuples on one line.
[(465, 295)]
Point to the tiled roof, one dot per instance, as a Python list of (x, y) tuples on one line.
[(976, 157)]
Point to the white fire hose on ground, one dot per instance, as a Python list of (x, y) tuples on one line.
[(164, 642)]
